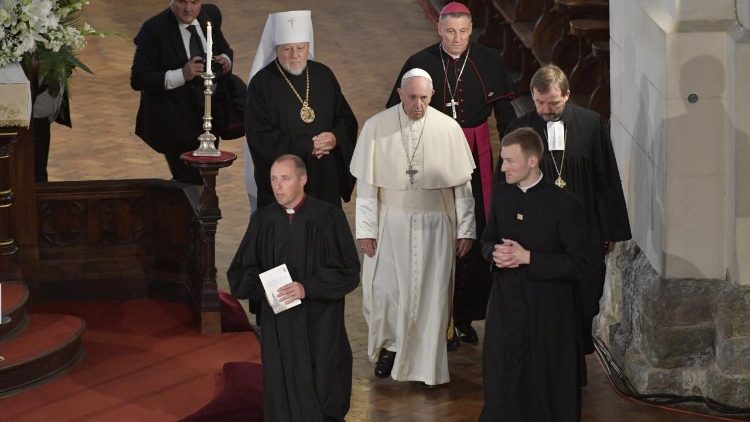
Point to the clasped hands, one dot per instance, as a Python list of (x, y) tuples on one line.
[(510, 254), (323, 143), (368, 246), (195, 66), (290, 292)]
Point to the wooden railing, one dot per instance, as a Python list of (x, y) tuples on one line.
[(109, 239), (121, 239)]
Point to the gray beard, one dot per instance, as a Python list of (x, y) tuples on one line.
[(293, 72), (557, 117)]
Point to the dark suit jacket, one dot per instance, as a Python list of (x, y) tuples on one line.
[(169, 120)]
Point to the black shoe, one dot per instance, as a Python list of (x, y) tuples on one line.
[(453, 342), (467, 334), (385, 363)]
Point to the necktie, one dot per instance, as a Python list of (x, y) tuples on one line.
[(196, 47)]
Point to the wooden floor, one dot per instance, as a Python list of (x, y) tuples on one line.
[(365, 46)]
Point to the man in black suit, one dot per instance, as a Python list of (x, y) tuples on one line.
[(166, 70)]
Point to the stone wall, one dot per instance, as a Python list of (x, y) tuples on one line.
[(676, 309), (676, 336)]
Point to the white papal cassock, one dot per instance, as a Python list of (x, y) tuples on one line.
[(408, 283)]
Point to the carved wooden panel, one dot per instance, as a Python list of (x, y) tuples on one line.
[(62, 223), (124, 239), (170, 220), (122, 221), (108, 238)]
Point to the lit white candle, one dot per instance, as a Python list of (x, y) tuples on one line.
[(209, 49)]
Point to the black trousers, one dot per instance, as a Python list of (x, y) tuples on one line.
[(181, 172), (41, 131)]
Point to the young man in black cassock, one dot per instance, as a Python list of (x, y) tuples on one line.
[(307, 360), (470, 82), (579, 158), (535, 240)]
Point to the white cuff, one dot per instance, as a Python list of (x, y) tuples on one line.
[(367, 218), (467, 225), (173, 79)]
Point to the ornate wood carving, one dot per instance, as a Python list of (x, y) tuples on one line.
[(208, 217), (62, 223), (24, 212), (119, 238), (122, 221), (7, 243)]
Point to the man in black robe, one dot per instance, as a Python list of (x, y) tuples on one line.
[(295, 106), (307, 360), (535, 240), (579, 158), (166, 69), (470, 82)]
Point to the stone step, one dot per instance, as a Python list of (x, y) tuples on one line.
[(15, 296), (47, 345)]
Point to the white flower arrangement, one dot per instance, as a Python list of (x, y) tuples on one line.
[(28, 25), (44, 36)]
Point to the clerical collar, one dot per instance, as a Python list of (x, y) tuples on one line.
[(451, 55), (524, 189), (293, 210)]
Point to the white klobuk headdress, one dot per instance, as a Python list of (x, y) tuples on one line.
[(283, 28)]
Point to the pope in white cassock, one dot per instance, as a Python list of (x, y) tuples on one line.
[(415, 212)]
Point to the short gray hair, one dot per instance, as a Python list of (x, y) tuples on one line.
[(299, 165), (454, 15)]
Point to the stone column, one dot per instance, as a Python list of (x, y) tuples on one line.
[(677, 294)]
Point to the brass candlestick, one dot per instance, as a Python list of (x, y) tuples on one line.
[(207, 147)]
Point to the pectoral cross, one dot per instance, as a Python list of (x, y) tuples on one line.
[(453, 105), (291, 22), (411, 172)]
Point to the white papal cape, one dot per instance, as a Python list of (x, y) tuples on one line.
[(408, 283)]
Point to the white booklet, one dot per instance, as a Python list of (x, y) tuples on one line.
[(272, 280)]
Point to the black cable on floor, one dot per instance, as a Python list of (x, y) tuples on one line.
[(622, 384)]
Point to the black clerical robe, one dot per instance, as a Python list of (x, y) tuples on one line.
[(307, 360), (274, 127), (484, 86), (532, 363), (590, 172)]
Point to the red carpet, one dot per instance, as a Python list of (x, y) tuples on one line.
[(145, 362), (239, 400)]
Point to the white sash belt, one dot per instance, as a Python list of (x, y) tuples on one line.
[(417, 200)]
